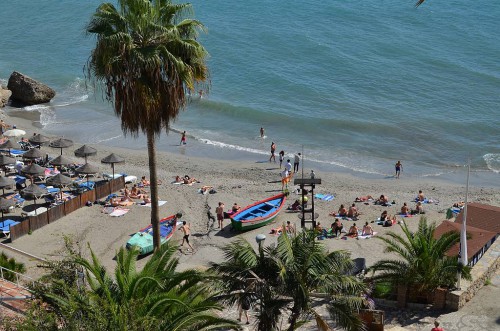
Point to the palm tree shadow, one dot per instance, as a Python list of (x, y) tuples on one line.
[(273, 168)]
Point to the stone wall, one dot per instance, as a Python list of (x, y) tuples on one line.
[(481, 271)]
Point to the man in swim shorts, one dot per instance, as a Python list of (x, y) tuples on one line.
[(399, 167), (220, 215), (273, 150), (187, 231)]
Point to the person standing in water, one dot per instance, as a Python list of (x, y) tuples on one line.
[(183, 138), (399, 168), (262, 132)]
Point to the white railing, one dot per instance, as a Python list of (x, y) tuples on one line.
[(20, 278)]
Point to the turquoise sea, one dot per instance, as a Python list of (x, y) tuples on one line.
[(356, 86)]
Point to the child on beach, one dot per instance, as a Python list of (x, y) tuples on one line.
[(183, 138), (281, 157)]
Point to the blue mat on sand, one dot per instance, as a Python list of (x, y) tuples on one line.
[(324, 197)]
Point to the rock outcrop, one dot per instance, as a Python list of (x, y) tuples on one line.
[(28, 91), (4, 96)]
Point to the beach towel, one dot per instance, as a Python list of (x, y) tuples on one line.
[(324, 197), (367, 236), (108, 210), (405, 215), (119, 212), (160, 203)]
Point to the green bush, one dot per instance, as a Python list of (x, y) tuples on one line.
[(382, 290), (11, 264)]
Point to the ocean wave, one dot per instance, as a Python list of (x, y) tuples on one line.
[(98, 140), (235, 147), (39, 108), (73, 93), (492, 162)]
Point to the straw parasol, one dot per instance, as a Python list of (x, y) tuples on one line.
[(60, 181), (6, 160), (87, 169), (61, 143), (33, 170), (33, 153), (34, 192), (9, 144), (112, 159), (61, 160), (6, 182), (85, 151), (5, 204), (39, 139)]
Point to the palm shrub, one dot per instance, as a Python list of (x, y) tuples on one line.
[(421, 263), (291, 276), (156, 297), (12, 265)]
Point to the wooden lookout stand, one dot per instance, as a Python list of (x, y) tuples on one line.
[(307, 214)]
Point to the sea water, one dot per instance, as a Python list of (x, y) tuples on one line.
[(355, 86)]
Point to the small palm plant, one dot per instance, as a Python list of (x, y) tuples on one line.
[(421, 262), (292, 275), (11, 265)]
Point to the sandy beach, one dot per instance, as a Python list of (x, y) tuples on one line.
[(234, 182)]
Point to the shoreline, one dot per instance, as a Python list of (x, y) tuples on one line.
[(198, 148)]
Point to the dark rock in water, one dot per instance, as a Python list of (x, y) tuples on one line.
[(28, 91), (4, 96)]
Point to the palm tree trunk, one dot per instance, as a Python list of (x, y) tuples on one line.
[(155, 219)]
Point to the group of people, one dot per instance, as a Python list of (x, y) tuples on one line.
[(352, 212), (337, 227)]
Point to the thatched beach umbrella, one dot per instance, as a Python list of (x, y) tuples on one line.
[(33, 153), (5, 204), (112, 159), (6, 182), (61, 143), (60, 181), (61, 160), (34, 192), (9, 144), (85, 151), (39, 139), (6, 160), (33, 170), (87, 169)]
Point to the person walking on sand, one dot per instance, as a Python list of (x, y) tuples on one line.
[(436, 327), (296, 161), (243, 307), (273, 150), (399, 168), (281, 157), (183, 138), (261, 132), (220, 215), (187, 231)]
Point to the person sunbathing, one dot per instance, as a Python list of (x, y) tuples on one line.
[(318, 228), (126, 194), (367, 230), (382, 200), (353, 211), (337, 227), (363, 198), (459, 204), (146, 199), (235, 208), (136, 193), (290, 228), (353, 231), (342, 211), (405, 210), (419, 209), (205, 189), (114, 202), (295, 205), (146, 182), (421, 196), (189, 180)]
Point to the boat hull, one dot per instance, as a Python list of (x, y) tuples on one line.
[(258, 214), (143, 240)]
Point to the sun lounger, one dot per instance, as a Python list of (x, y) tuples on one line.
[(5, 226), (128, 178), (38, 211)]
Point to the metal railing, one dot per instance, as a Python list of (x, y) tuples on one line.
[(20, 278)]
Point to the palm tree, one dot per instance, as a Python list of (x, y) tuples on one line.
[(292, 275), (157, 297), (147, 58), (422, 262)]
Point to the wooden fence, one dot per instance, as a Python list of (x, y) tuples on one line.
[(54, 213)]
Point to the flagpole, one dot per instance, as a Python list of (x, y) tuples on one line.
[(463, 232)]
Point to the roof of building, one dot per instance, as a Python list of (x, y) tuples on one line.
[(481, 216), (477, 238)]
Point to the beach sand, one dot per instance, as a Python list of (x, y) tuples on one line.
[(243, 183)]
